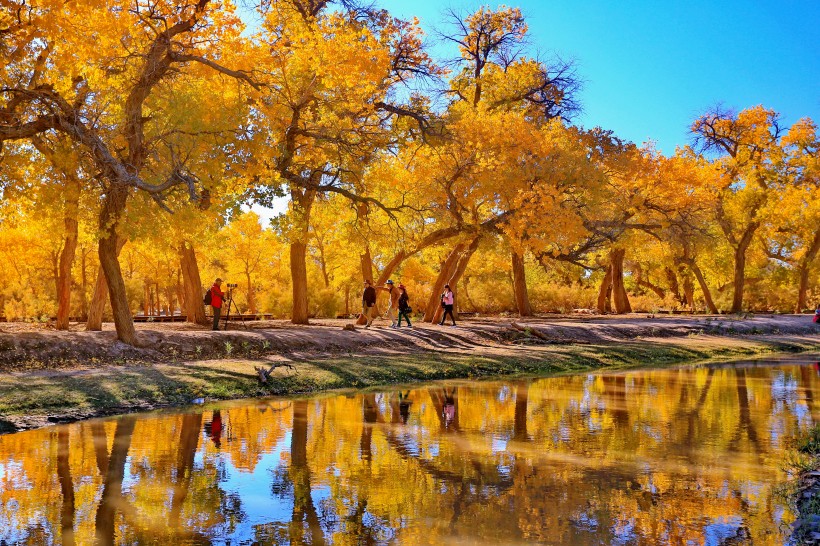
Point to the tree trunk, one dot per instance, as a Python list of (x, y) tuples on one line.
[(522, 299), (84, 284), (298, 274), (146, 300), (704, 288), (72, 203), (640, 281), (251, 295), (739, 280), (112, 209), (463, 261), (740, 267), (96, 308), (180, 292), (620, 297), (689, 292), (672, 279), (804, 269), (605, 293), (302, 202), (448, 269)]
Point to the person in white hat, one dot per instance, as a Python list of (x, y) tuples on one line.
[(393, 308)]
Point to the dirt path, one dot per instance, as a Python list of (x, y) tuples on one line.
[(27, 347)]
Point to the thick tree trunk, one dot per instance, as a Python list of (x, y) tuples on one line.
[(739, 280), (96, 308), (522, 299), (618, 291), (740, 267), (461, 268), (112, 209), (192, 285), (72, 203), (298, 274), (804, 269), (451, 272), (302, 202), (605, 293), (672, 280), (448, 269), (689, 292), (704, 288)]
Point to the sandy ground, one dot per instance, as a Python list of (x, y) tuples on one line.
[(30, 346)]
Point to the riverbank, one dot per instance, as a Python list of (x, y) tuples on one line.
[(49, 377)]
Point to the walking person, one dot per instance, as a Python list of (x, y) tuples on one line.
[(404, 306), (393, 307), (368, 302), (217, 296), (817, 314), (447, 302)]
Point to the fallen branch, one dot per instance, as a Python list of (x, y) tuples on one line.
[(264, 375)]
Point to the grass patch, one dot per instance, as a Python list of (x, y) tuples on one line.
[(76, 394)]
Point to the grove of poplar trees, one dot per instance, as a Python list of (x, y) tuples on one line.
[(135, 135)]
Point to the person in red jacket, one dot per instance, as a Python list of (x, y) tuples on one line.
[(217, 295)]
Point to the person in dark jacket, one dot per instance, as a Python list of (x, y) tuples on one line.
[(404, 306), (217, 295), (368, 302)]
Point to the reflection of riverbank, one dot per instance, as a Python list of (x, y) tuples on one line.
[(37, 398), (659, 456)]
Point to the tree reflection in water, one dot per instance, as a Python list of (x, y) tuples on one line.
[(660, 456)]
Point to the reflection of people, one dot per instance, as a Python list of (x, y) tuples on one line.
[(447, 302), (404, 406), (216, 301), (213, 428), (368, 302), (449, 407)]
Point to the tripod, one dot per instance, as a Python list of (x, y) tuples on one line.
[(227, 316)]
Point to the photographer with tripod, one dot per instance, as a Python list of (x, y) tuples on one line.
[(214, 298)]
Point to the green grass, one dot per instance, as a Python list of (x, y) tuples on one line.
[(35, 396)]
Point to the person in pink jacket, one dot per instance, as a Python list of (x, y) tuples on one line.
[(447, 302)]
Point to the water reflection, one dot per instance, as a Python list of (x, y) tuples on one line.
[(664, 456)]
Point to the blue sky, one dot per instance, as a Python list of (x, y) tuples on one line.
[(651, 67)]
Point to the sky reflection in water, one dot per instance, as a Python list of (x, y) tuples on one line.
[(662, 456)]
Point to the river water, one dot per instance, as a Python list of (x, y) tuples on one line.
[(672, 456)]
